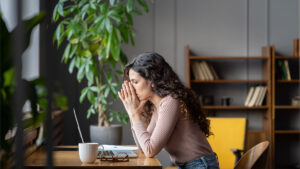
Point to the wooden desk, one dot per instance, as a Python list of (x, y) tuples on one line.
[(70, 159)]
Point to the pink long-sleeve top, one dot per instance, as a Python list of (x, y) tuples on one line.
[(171, 130)]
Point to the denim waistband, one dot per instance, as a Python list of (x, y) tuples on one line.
[(203, 159)]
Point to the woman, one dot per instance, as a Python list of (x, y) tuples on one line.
[(165, 114)]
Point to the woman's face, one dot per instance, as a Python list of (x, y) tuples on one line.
[(141, 85)]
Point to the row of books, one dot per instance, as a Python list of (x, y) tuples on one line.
[(203, 71), (284, 69), (255, 96)]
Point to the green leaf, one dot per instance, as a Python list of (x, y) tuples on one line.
[(137, 11), (108, 25), (9, 77), (124, 33), (114, 91), (66, 53), (131, 34), (129, 18), (111, 2), (71, 66), (58, 31), (91, 96), (92, 5), (108, 44), (99, 19), (106, 93), (103, 87), (74, 48), (117, 18), (114, 84), (80, 73), (91, 111), (130, 5), (60, 9), (90, 77), (94, 88), (144, 5), (54, 15), (82, 2), (123, 59), (101, 56), (83, 94)]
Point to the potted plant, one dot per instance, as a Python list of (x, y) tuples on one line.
[(94, 31)]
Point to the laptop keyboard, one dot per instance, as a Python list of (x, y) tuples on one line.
[(106, 153)]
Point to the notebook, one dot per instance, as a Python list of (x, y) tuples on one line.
[(110, 150)]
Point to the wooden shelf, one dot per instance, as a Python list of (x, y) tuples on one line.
[(287, 131), (227, 57), (288, 81), (286, 107), (217, 107), (287, 57), (229, 81)]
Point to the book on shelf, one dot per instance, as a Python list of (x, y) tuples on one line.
[(296, 47), (207, 70), (288, 73), (255, 96), (215, 75), (249, 96), (284, 70), (203, 71), (195, 71)]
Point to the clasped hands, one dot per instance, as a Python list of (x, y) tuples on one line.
[(131, 102)]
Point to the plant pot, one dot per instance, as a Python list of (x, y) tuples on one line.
[(106, 135)]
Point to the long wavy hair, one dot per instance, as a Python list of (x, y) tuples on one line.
[(153, 67)]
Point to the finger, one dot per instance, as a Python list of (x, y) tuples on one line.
[(132, 90), (120, 96), (127, 88), (124, 90)]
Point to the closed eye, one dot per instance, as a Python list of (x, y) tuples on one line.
[(134, 81)]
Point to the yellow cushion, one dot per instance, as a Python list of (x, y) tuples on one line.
[(228, 133)]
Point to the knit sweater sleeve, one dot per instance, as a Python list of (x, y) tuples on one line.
[(152, 143)]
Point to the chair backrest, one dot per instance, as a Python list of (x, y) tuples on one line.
[(255, 158), (227, 133)]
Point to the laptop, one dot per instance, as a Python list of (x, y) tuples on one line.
[(108, 153)]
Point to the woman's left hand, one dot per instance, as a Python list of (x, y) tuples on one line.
[(131, 102)]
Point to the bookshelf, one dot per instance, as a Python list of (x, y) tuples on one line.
[(236, 85), (254, 136), (285, 125)]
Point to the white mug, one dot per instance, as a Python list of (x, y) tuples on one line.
[(88, 152)]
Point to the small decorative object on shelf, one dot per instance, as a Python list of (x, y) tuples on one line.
[(208, 100), (226, 101), (296, 101)]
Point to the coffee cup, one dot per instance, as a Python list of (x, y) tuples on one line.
[(88, 152)]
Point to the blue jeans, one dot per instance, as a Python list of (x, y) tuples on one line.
[(205, 162)]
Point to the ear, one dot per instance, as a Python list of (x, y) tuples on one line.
[(152, 85)]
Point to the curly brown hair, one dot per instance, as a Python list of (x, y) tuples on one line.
[(154, 68)]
